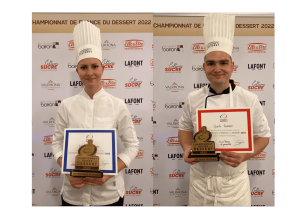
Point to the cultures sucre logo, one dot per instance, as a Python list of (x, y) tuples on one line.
[(136, 101), (256, 172), (257, 48), (53, 173), (174, 105), (198, 48), (49, 65), (71, 45), (47, 140), (173, 124), (49, 45), (260, 156), (173, 68), (172, 141), (50, 103), (176, 174), (108, 46), (174, 87), (256, 86), (133, 171), (133, 44), (136, 120), (108, 65), (50, 85), (173, 48), (175, 156), (133, 83), (257, 66), (131, 63), (200, 85), (134, 191), (257, 192), (108, 83), (49, 123), (197, 68)]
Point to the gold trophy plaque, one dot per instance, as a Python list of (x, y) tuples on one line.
[(202, 148), (86, 164)]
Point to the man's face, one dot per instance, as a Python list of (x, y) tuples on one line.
[(218, 68)]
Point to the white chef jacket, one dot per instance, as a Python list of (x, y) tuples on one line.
[(219, 180), (103, 111)]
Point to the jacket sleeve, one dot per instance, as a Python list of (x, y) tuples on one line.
[(185, 122), (61, 123), (127, 133), (260, 123)]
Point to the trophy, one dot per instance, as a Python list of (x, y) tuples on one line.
[(86, 164), (202, 148)]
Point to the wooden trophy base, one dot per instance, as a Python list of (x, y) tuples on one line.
[(204, 157), (86, 173)]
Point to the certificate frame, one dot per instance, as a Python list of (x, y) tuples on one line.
[(87, 132), (249, 130)]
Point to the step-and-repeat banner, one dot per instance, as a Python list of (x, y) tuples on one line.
[(132, 44), (127, 44), (178, 70)]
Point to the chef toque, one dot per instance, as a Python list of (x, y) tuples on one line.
[(218, 33), (87, 41)]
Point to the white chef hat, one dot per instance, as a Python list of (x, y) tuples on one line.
[(218, 33), (87, 41)]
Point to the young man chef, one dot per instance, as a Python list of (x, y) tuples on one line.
[(224, 182)]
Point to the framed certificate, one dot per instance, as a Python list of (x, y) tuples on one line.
[(231, 128), (104, 140)]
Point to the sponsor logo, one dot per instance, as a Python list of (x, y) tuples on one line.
[(50, 103), (108, 46), (223, 117), (133, 84), (235, 68), (77, 84), (84, 51), (48, 155), (49, 65), (51, 45), (256, 192), (177, 192), (33, 191), (71, 45), (235, 49), (173, 68), (53, 192), (273, 173), (273, 192), (212, 44), (152, 63), (154, 105), (256, 86), (136, 120), (135, 101), (135, 63), (108, 83), (72, 65), (197, 68), (47, 140), (133, 44), (50, 85), (200, 85), (154, 191), (173, 124), (258, 66), (140, 139), (175, 156), (151, 83), (33, 174), (154, 122), (133, 204), (257, 48), (174, 48), (174, 87), (177, 174), (155, 156), (108, 65), (263, 103), (173, 141), (152, 140), (53, 173), (260, 156), (133, 191), (256, 172), (140, 154), (133, 171), (198, 48), (154, 175), (174, 105)]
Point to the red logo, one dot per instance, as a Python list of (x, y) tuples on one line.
[(47, 139), (256, 86), (235, 68), (108, 83), (134, 191), (53, 173), (260, 156), (134, 44), (173, 68), (49, 65), (173, 141), (256, 192), (198, 48), (71, 45), (176, 174), (152, 63), (257, 48), (140, 154), (273, 172)]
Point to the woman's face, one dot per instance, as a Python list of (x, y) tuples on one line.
[(90, 71)]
